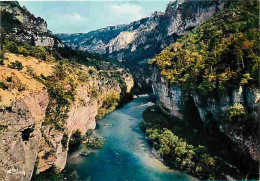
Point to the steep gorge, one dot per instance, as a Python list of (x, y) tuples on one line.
[(45, 98), (180, 74), (135, 43), (205, 67)]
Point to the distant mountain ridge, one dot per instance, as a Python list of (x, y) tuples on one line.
[(135, 43), (144, 38)]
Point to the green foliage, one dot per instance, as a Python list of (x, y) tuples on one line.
[(95, 143), (109, 104), (28, 50), (178, 144), (184, 156), (75, 139), (1, 57), (236, 112), (83, 76), (85, 152), (16, 65), (61, 97), (9, 79), (11, 46), (218, 55), (3, 86), (23, 51)]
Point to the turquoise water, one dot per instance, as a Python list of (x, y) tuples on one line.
[(126, 154)]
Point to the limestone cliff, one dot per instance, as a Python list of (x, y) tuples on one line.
[(205, 66), (148, 35), (23, 102), (138, 41), (172, 99), (45, 98), (23, 26), (25, 133)]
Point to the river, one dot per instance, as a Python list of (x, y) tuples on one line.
[(126, 154)]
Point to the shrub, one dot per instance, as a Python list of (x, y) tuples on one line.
[(3, 86), (11, 46), (16, 65), (236, 112), (23, 51), (83, 76), (95, 143), (216, 56), (39, 52), (1, 57), (177, 152), (50, 58), (9, 79), (85, 152)]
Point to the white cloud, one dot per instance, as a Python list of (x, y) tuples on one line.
[(76, 16), (133, 11)]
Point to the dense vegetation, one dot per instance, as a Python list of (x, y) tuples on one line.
[(187, 145), (211, 61), (66, 77), (68, 74), (217, 56)]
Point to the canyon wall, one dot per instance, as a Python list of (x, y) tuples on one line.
[(27, 141), (45, 98), (135, 43), (171, 99)]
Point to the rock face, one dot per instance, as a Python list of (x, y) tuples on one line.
[(172, 100), (81, 116), (23, 26), (138, 41), (170, 97), (28, 143), (146, 35), (25, 141), (21, 115)]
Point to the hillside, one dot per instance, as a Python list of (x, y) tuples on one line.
[(212, 74), (48, 92), (135, 43)]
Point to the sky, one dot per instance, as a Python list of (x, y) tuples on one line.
[(85, 16)]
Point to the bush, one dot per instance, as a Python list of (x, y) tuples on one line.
[(16, 65), (95, 143), (3, 86), (1, 57), (236, 112), (23, 51), (85, 152), (39, 52), (218, 55), (9, 79), (11, 46)]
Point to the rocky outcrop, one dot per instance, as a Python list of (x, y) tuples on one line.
[(169, 97), (172, 100), (21, 25), (21, 115), (138, 41), (147, 35), (214, 110), (81, 116), (28, 142)]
